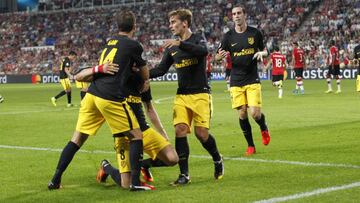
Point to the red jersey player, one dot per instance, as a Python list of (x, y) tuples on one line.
[(298, 63), (278, 62), (334, 68)]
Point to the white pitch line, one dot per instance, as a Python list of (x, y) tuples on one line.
[(200, 157), (286, 162), (311, 193), (162, 99), (38, 111)]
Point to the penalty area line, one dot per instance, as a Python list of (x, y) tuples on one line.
[(311, 193), (199, 157)]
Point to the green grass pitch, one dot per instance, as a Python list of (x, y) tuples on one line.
[(315, 144)]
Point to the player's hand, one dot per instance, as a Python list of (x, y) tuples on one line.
[(170, 43), (110, 68), (220, 54), (260, 55), (145, 87)]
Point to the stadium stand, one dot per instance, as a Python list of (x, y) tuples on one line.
[(33, 42)]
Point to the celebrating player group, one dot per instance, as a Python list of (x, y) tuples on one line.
[(119, 93)]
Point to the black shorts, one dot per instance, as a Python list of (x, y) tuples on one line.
[(227, 72), (299, 72), (334, 71), (276, 78)]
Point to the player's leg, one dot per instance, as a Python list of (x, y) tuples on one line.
[(328, 80), (255, 101), (122, 121), (62, 93), (301, 83), (239, 102), (68, 91), (278, 82), (201, 106), (182, 122), (160, 151), (338, 78), (66, 156), (209, 143), (89, 121), (280, 87)]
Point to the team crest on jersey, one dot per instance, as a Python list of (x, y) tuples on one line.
[(251, 40)]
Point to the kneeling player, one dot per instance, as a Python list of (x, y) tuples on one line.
[(156, 145)]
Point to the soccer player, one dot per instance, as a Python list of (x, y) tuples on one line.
[(298, 63), (245, 45), (278, 62), (356, 64), (334, 68), (156, 143), (106, 101), (192, 103), (228, 65), (65, 68)]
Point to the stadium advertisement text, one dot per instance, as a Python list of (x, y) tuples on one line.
[(347, 73)]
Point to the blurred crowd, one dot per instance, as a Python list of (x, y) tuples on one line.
[(36, 42)]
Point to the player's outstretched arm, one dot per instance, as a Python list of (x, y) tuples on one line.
[(154, 118), (86, 75), (163, 66)]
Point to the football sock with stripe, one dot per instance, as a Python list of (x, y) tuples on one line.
[(182, 149), (65, 158), (210, 146), (246, 128)]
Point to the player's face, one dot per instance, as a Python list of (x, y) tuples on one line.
[(238, 16), (177, 26)]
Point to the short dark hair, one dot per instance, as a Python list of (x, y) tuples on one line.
[(276, 48), (332, 42), (295, 43), (240, 6), (72, 53), (125, 20), (184, 15)]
